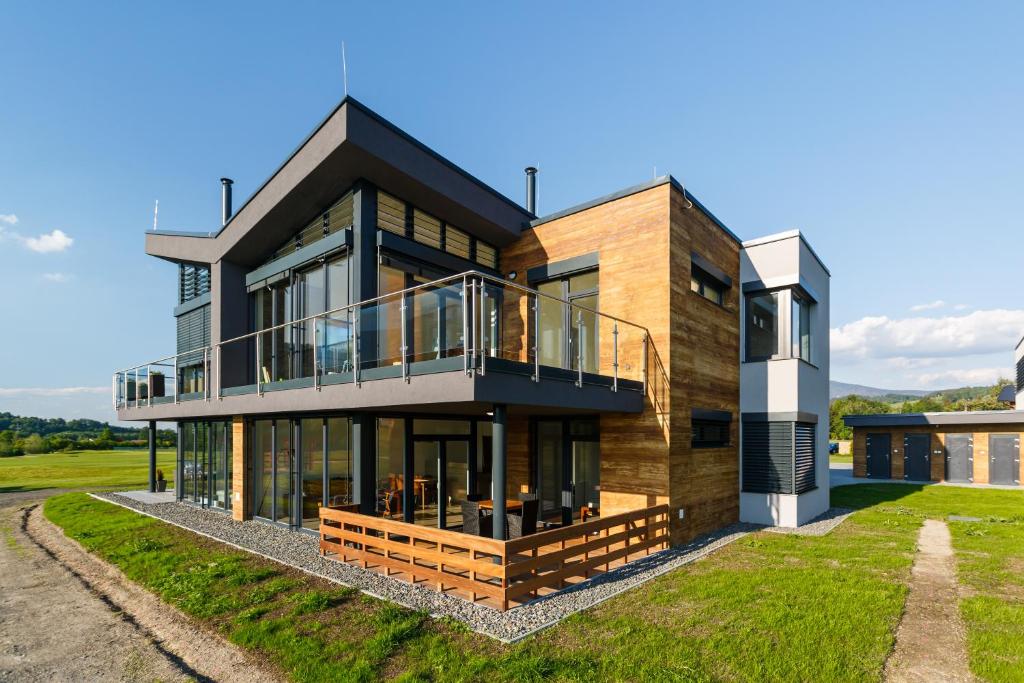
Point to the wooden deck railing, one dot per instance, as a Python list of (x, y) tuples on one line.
[(501, 571)]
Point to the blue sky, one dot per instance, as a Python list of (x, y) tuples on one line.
[(888, 132)]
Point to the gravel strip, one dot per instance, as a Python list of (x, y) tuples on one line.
[(819, 526), (301, 551)]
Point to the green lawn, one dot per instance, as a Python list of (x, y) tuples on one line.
[(837, 458), (768, 607), (80, 469)]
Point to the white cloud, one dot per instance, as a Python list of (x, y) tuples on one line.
[(958, 378), (8, 218), (54, 241), (961, 307), (51, 391), (979, 332), (57, 277), (938, 303)]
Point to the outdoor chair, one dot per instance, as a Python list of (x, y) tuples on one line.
[(523, 524), (473, 523)]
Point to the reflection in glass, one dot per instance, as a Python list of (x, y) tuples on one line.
[(262, 462), (339, 461), (285, 471), (426, 466), (312, 440), (762, 326), (390, 466)]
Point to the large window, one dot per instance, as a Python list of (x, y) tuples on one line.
[(569, 331), (204, 464), (777, 325)]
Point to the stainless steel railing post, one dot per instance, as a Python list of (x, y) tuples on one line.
[(645, 364), (579, 347), (259, 388), (220, 372), (536, 338), (404, 347), (356, 339), (615, 356), (175, 380), (206, 374), (483, 328), (465, 327), (316, 367)]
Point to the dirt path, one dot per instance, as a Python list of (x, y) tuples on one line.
[(930, 642), (67, 616)]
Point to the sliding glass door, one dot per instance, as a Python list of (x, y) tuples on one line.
[(204, 467), (568, 467)]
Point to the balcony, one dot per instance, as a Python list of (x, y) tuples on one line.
[(465, 339)]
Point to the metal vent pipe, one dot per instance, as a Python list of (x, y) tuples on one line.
[(531, 190), (225, 200)]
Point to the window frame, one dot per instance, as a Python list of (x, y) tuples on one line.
[(700, 282), (787, 299), (724, 425)]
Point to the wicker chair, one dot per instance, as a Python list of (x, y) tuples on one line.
[(473, 523), (526, 523)]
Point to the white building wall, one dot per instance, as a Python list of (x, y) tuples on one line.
[(789, 385)]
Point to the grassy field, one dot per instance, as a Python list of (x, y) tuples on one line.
[(768, 607), (80, 469)]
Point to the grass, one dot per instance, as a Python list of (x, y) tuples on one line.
[(767, 607), (839, 458), (82, 469)]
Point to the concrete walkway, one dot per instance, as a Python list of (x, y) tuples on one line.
[(841, 474), (931, 640)]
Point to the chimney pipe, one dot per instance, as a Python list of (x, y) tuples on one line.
[(531, 190), (225, 200)]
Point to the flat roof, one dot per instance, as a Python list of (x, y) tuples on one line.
[(919, 419), (785, 235)]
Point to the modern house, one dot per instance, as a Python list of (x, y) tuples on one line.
[(979, 447), (380, 348)]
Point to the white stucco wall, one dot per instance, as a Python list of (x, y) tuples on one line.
[(788, 385)]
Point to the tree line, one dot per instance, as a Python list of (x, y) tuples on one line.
[(20, 435), (952, 400)]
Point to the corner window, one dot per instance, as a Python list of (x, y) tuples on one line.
[(706, 287), (777, 325), (710, 433), (801, 328), (762, 320)]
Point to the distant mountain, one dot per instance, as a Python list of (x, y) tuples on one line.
[(840, 389)]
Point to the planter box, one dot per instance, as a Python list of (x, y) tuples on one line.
[(158, 385)]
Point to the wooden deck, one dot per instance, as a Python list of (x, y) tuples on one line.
[(499, 574)]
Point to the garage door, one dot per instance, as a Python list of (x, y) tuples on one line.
[(917, 457), (1004, 459), (959, 457), (878, 450)]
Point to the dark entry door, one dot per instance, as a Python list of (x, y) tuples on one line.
[(879, 447), (1004, 459), (959, 458), (917, 457)]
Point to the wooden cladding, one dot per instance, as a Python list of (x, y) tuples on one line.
[(501, 572), (337, 217)]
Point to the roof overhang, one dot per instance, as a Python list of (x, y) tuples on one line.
[(925, 419), (352, 143)]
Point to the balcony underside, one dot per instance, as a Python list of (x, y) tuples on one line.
[(440, 386)]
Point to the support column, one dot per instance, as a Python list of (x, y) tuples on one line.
[(499, 467), (363, 456), (241, 508), (152, 456)]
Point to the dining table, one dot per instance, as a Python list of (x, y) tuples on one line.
[(510, 505)]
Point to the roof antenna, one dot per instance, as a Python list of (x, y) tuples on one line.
[(156, 211), (344, 67)]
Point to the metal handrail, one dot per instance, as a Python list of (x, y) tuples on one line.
[(474, 310)]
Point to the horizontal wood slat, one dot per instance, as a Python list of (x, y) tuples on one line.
[(501, 570)]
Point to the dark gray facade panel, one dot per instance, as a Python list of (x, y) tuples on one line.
[(917, 461), (794, 416), (959, 457), (879, 455), (333, 242), (568, 266), (193, 304), (768, 457), (421, 252), (1007, 417), (1004, 459), (804, 449), (708, 414), (193, 333)]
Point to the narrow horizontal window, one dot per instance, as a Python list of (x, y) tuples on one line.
[(710, 434), (706, 287)]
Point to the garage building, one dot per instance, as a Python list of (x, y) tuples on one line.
[(966, 447)]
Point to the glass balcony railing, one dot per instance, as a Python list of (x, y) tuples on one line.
[(469, 322)]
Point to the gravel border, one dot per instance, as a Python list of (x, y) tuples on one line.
[(301, 551), (819, 526)]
